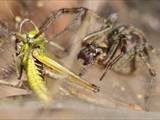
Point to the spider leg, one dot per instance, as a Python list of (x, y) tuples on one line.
[(80, 15), (55, 14), (109, 66), (110, 61), (130, 56), (145, 57), (133, 65), (112, 51), (109, 25), (118, 41)]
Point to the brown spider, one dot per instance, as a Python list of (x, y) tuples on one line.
[(121, 44)]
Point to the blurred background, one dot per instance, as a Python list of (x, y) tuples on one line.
[(121, 94), (143, 14)]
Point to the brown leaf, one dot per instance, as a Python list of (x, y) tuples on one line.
[(8, 91)]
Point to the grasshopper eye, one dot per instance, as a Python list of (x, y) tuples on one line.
[(29, 37)]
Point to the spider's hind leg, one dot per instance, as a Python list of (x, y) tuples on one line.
[(144, 55)]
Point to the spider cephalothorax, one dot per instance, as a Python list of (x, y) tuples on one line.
[(123, 45), (90, 53)]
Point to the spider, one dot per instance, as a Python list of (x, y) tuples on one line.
[(117, 45)]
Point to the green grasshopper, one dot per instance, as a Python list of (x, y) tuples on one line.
[(31, 50)]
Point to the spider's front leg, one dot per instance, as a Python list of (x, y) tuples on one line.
[(109, 23), (117, 48), (55, 14), (80, 13), (110, 61)]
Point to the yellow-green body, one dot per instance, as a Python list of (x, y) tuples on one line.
[(34, 77), (38, 54), (36, 82), (33, 50)]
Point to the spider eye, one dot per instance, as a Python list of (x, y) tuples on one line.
[(87, 45)]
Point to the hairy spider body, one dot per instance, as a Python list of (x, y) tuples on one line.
[(121, 45), (123, 40)]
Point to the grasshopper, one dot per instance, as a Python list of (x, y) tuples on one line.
[(30, 49)]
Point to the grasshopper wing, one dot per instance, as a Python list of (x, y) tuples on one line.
[(38, 54)]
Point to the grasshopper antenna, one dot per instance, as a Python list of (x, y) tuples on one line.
[(27, 21)]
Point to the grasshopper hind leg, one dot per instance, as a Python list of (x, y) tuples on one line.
[(19, 70), (19, 76)]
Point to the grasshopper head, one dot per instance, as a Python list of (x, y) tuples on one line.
[(29, 37)]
